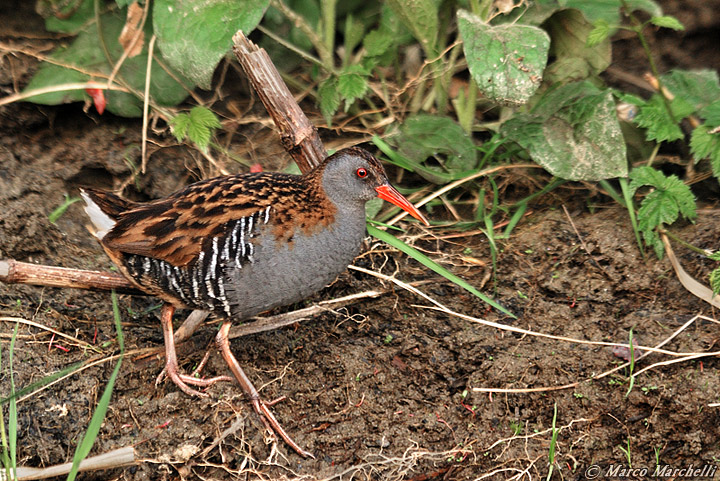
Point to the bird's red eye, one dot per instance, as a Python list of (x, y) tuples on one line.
[(361, 172)]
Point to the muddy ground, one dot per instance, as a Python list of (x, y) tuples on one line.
[(382, 389)]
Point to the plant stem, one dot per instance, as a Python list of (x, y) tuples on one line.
[(638, 28), (301, 23), (281, 41), (684, 243), (328, 24)]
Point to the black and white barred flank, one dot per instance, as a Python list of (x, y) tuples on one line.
[(201, 283)]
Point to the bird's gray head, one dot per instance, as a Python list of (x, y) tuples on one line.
[(353, 176)]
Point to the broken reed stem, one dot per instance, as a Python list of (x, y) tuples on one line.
[(15, 272), (297, 134)]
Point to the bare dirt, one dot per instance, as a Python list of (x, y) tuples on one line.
[(383, 389)]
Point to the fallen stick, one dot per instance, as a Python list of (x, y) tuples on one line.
[(110, 460), (16, 272)]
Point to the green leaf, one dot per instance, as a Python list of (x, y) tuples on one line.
[(83, 449), (703, 145), (663, 205), (205, 117), (570, 33), (193, 35), (711, 114), (85, 54), (714, 278), (654, 117), (423, 137), (430, 264), (351, 86), (179, 125), (377, 42), (601, 31), (329, 98), (667, 22), (196, 125), (573, 132), (506, 61), (421, 18), (59, 21), (60, 210), (609, 10), (699, 88)]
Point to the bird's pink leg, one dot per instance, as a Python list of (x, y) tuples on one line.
[(261, 407), (171, 364)]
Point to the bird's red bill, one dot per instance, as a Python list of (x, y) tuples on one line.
[(387, 192)]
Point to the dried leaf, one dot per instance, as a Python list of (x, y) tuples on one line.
[(130, 45)]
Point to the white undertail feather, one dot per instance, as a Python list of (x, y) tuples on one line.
[(101, 221)]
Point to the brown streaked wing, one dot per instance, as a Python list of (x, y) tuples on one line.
[(176, 229)]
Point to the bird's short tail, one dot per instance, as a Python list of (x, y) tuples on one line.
[(103, 208)]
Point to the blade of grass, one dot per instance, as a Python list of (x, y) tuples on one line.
[(401, 161), (9, 444), (430, 264), (387, 226), (42, 382), (12, 409), (98, 416), (59, 211), (632, 365), (553, 443)]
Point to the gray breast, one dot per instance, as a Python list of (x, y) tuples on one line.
[(278, 273)]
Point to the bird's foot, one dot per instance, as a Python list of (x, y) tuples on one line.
[(261, 407), (182, 380), (171, 364)]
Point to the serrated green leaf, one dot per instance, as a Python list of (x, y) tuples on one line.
[(663, 205), (421, 18), (569, 31), (656, 209), (423, 137), (654, 117), (351, 86), (193, 35), (601, 31), (667, 21), (377, 42), (700, 88), (179, 125), (329, 98), (199, 134), (714, 278), (204, 116), (703, 145), (711, 114), (506, 61), (573, 132), (646, 176)]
